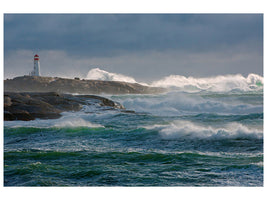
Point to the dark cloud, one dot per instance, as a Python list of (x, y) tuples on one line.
[(162, 44), (112, 34)]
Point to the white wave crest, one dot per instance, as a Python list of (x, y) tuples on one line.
[(215, 84), (179, 103), (98, 74), (68, 120), (222, 83), (186, 129)]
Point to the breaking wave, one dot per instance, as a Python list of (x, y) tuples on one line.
[(214, 84), (72, 121), (181, 129), (67, 120), (179, 103), (222, 83), (98, 74)]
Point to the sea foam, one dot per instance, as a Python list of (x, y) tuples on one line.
[(71, 121), (222, 83), (181, 129), (98, 74), (180, 103), (67, 120)]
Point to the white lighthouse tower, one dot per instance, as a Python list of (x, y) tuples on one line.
[(36, 66)]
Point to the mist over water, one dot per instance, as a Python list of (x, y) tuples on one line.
[(202, 132)]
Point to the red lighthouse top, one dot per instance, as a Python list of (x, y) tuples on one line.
[(36, 57)]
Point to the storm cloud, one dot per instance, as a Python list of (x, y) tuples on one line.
[(145, 46)]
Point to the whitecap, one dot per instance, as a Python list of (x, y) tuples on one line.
[(67, 120), (180, 129), (72, 121), (98, 74), (179, 103), (221, 83)]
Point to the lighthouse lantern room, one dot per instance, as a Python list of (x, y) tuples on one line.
[(36, 66)]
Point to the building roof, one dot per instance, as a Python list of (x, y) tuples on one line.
[(36, 55)]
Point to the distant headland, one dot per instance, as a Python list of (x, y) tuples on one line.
[(75, 86)]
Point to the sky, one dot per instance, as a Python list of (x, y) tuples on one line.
[(144, 46)]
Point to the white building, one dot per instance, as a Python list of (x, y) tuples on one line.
[(36, 67)]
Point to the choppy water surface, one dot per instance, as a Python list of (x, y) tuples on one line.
[(181, 138)]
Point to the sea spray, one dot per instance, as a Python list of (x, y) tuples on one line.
[(181, 129), (179, 103), (224, 83), (221, 83), (67, 120), (98, 74)]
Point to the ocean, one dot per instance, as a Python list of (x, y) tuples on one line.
[(202, 132)]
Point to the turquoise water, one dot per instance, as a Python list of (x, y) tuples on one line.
[(174, 139)]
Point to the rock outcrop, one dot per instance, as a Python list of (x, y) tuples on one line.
[(29, 106), (64, 85)]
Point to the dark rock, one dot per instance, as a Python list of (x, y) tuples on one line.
[(7, 101), (17, 114), (8, 116), (128, 111), (29, 106), (103, 101)]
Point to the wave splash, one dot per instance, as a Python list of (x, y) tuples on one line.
[(181, 129), (67, 120), (222, 83), (179, 103), (98, 74), (214, 84)]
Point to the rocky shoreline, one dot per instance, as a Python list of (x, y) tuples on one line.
[(29, 106), (75, 86), (30, 97)]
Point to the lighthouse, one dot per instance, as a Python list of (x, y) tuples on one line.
[(36, 66)]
